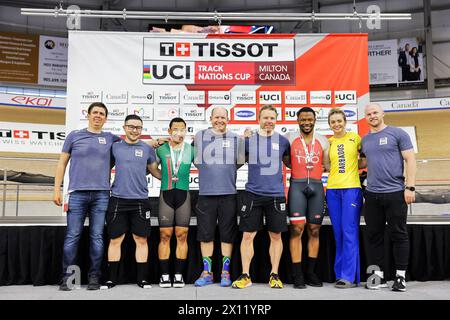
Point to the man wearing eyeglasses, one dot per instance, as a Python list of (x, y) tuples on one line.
[(129, 207)]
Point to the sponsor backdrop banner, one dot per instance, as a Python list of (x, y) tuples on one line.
[(396, 61), (52, 61), (19, 57), (25, 100), (31, 138), (33, 59), (162, 76)]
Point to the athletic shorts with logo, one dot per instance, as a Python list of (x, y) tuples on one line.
[(125, 215), (253, 207), (306, 201)]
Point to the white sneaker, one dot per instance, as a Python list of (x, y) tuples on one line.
[(178, 281), (164, 281)]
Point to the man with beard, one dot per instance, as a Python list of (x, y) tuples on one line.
[(309, 153), (387, 195)]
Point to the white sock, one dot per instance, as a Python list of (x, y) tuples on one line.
[(401, 273)]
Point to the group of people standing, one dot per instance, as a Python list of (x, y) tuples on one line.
[(218, 153)]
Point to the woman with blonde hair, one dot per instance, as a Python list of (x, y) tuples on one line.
[(344, 199)]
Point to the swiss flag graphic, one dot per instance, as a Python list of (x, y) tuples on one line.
[(183, 49), (21, 134)]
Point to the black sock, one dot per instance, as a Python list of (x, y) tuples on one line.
[(297, 268), (113, 268), (142, 271), (164, 266), (179, 265), (311, 264)]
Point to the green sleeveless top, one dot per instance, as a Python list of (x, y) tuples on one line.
[(167, 167)]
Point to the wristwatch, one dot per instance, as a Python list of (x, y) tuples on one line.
[(410, 188)]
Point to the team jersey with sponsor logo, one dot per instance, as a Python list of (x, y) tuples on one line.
[(299, 156), (217, 157), (90, 159), (130, 181), (344, 162), (167, 167), (265, 166)]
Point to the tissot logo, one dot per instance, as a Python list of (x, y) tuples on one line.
[(35, 134), (5, 133), (167, 97), (189, 113), (91, 96), (244, 97), (179, 49), (21, 134), (194, 49), (220, 49)]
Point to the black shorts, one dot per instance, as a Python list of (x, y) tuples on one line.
[(174, 208), (125, 215), (306, 202), (253, 207), (213, 209)]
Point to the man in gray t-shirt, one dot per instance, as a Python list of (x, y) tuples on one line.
[(129, 207), (386, 198), (89, 153), (218, 155)]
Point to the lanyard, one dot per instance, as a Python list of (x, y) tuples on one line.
[(176, 163), (308, 155), (305, 147)]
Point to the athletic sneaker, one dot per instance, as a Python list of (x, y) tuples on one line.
[(178, 281), (225, 279), (205, 279), (399, 284), (275, 282), (381, 284), (144, 284), (108, 285), (164, 281), (242, 282)]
